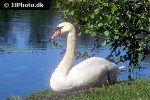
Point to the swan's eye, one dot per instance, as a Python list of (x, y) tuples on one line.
[(59, 28)]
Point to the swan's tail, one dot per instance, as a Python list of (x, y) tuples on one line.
[(121, 68)]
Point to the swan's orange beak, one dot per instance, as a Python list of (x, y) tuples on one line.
[(57, 32)]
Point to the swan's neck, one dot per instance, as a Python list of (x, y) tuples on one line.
[(62, 70), (66, 63)]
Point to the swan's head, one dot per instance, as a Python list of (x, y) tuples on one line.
[(63, 28)]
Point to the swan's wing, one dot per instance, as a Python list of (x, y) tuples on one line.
[(90, 70)]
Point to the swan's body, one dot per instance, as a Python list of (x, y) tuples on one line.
[(92, 72)]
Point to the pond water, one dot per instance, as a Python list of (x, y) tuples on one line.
[(27, 58)]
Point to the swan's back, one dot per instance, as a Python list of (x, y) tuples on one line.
[(91, 72)]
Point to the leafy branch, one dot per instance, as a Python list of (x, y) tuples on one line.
[(125, 24)]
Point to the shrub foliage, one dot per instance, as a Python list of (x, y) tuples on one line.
[(124, 24)]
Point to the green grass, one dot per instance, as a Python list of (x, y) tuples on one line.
[(126, 90)]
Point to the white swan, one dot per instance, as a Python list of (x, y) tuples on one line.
[(92, 72)]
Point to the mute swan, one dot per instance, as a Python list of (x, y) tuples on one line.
[(91, 72)]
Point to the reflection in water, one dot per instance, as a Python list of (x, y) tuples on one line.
[(28, 59), (26, 28), (25, 52)]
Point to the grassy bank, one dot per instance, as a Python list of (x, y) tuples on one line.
[(130, 90)]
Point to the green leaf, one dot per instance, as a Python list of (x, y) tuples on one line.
[(116, 37), (72, 13), (107, 41), (92, 26), (83, 1), (129, 15), (100, 24), (79, 34), (86, 19), (122, 24), (105, 4), (114, 8), (92, 15), (93, 34), (97, 11), (104, 43), (106, 33), (139, 49)]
